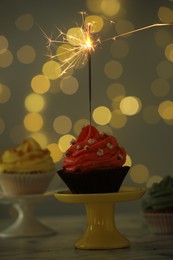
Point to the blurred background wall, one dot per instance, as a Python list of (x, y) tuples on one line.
[(132, 80)]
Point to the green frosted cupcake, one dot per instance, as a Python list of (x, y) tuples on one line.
[(158, 207)]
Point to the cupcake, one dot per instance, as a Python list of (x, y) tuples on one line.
[(158, 207), (26, 169), (94, 163)]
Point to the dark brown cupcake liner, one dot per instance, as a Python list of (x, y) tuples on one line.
[(97, 181)]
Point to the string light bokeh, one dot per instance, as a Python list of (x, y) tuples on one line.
[(132, 80)]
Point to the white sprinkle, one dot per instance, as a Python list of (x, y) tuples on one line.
[(100, 152), (78, 147), (91, 141), (120, 156), (109, 145), (86, 147)]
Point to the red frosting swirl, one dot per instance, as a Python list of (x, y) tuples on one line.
[(93, 150)]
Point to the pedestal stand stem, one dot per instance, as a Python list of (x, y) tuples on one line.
[(101, 231)]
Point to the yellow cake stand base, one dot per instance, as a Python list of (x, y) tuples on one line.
[(101, 231)]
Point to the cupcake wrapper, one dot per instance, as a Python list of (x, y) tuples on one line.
[(25, 182), (160, 223), (100, 181)]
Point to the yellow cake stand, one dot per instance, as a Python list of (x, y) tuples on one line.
[(101, 231)]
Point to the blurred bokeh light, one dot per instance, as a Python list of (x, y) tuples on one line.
[(139, 173), (62, 124), (6, 58), (102, 115), (130, 105), (3, 44), (65, 142), (24, 22), (40, 84), (34, 103), (33, 122), (26, 54), (5, 93)]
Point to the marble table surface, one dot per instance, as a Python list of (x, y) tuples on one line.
[(144, 245)]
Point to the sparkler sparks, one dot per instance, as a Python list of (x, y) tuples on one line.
[(77, 45), (74, 46)]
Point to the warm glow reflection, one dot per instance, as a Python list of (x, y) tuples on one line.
[(62, 124), (128, 161), (55, 152), (34, 103), (139, 173), (40, 84), (101, 115), (33, 122), (65, 142), (130, 105)]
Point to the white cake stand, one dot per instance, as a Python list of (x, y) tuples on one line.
[(26, 223)]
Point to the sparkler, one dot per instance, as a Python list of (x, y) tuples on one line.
[(78, 45), (89, 64)]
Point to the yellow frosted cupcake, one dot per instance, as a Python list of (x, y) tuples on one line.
[(26, 169)]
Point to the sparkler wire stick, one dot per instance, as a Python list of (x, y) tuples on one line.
[(89, 69), (138, 30)]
